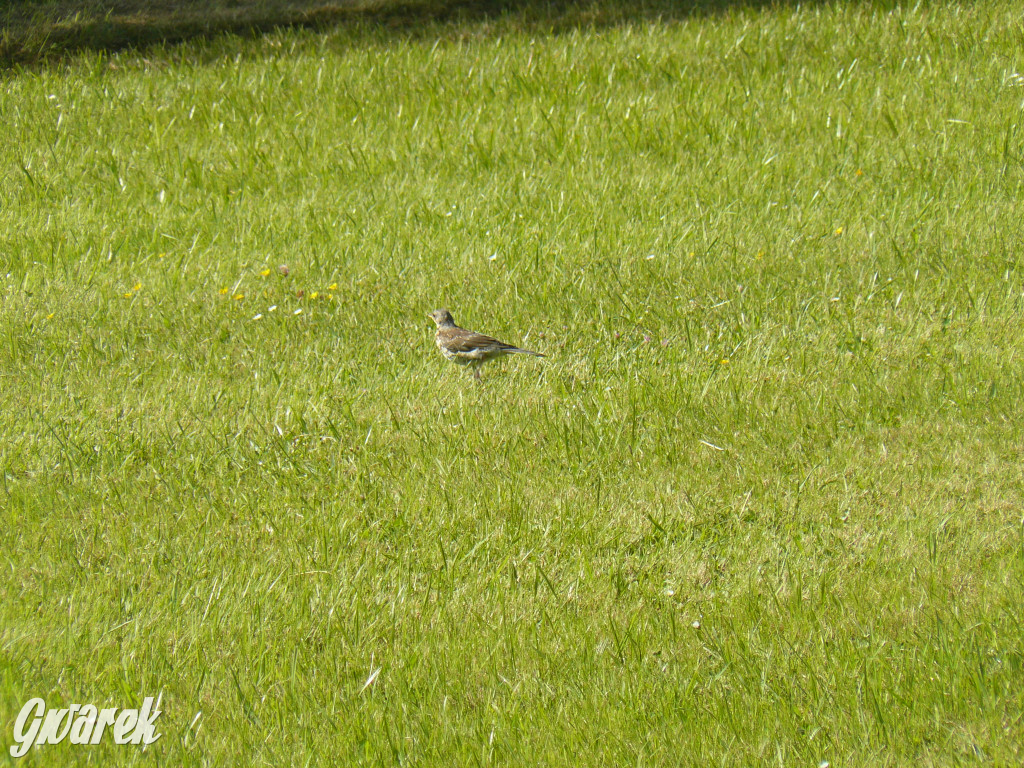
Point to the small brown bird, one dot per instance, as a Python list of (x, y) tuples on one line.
[(469, 347)]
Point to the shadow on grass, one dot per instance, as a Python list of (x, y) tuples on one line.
[(36, 31)]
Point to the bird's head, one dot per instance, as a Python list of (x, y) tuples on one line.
[(442, 317)]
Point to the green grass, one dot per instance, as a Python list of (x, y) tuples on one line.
[(35, 31), (761, 503)]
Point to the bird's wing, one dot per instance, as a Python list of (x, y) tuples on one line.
[(462, 342)]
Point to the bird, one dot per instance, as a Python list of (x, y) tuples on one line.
[(469, 347)]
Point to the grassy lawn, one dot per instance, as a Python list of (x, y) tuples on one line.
[(760, 504)]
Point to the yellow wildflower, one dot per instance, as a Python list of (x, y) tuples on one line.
[(224, 291), (332, 287), (137, 287), (265, 272), (238, 296), (314, 294)]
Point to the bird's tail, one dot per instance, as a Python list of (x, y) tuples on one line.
[(525, 352)]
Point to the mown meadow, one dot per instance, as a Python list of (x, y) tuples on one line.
[(760, 504)]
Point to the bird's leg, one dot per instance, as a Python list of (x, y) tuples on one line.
[(476, 372)]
